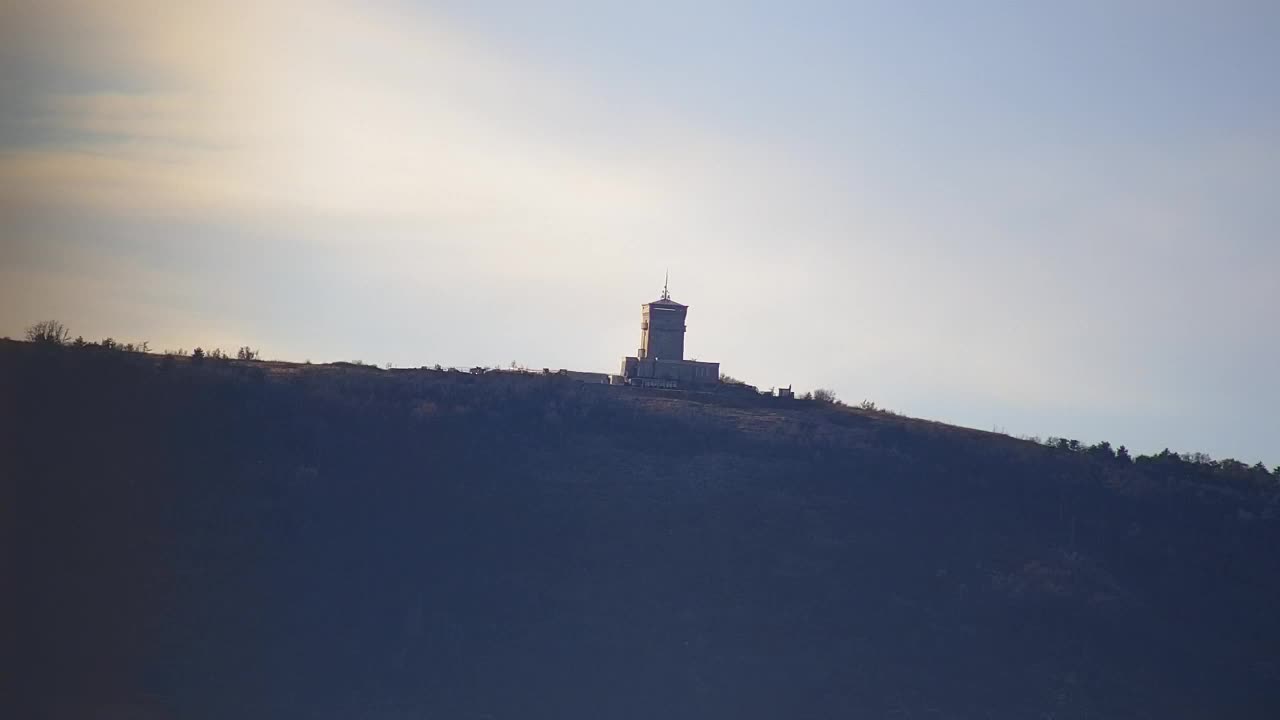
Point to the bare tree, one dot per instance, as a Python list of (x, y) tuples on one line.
[(824, 395), (49, 331)]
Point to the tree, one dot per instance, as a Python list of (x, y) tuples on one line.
[(825, 395), (197, 356), (1102, 450), (246, 353), (1066, 444), (48, 331), (1198, 458)]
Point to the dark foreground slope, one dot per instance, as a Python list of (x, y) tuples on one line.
[(243, 540)]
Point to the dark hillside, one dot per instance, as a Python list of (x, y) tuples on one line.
[(264, 540)]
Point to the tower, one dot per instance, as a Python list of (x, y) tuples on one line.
[(660, 362), (662, 328)]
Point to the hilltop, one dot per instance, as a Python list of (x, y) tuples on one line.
[(261, 539)]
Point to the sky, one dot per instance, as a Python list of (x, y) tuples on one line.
[(1042, 218)]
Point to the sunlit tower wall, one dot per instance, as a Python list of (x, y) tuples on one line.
[(662, 329)]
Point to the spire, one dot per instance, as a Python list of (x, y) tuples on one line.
[(665, 277)]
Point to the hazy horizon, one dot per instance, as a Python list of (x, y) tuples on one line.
[(1054, 221)]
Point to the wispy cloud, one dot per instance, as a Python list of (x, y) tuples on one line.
[(327, 109)]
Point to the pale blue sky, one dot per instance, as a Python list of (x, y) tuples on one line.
[(1055, 220)]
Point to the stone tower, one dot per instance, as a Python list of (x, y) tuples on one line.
[(662, 328), (660, 362)]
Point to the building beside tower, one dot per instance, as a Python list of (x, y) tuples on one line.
[(660, 360)]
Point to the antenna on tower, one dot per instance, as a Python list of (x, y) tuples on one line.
[(665, 277)]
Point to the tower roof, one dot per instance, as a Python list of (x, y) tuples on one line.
[(666, 295), (667, 302)]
